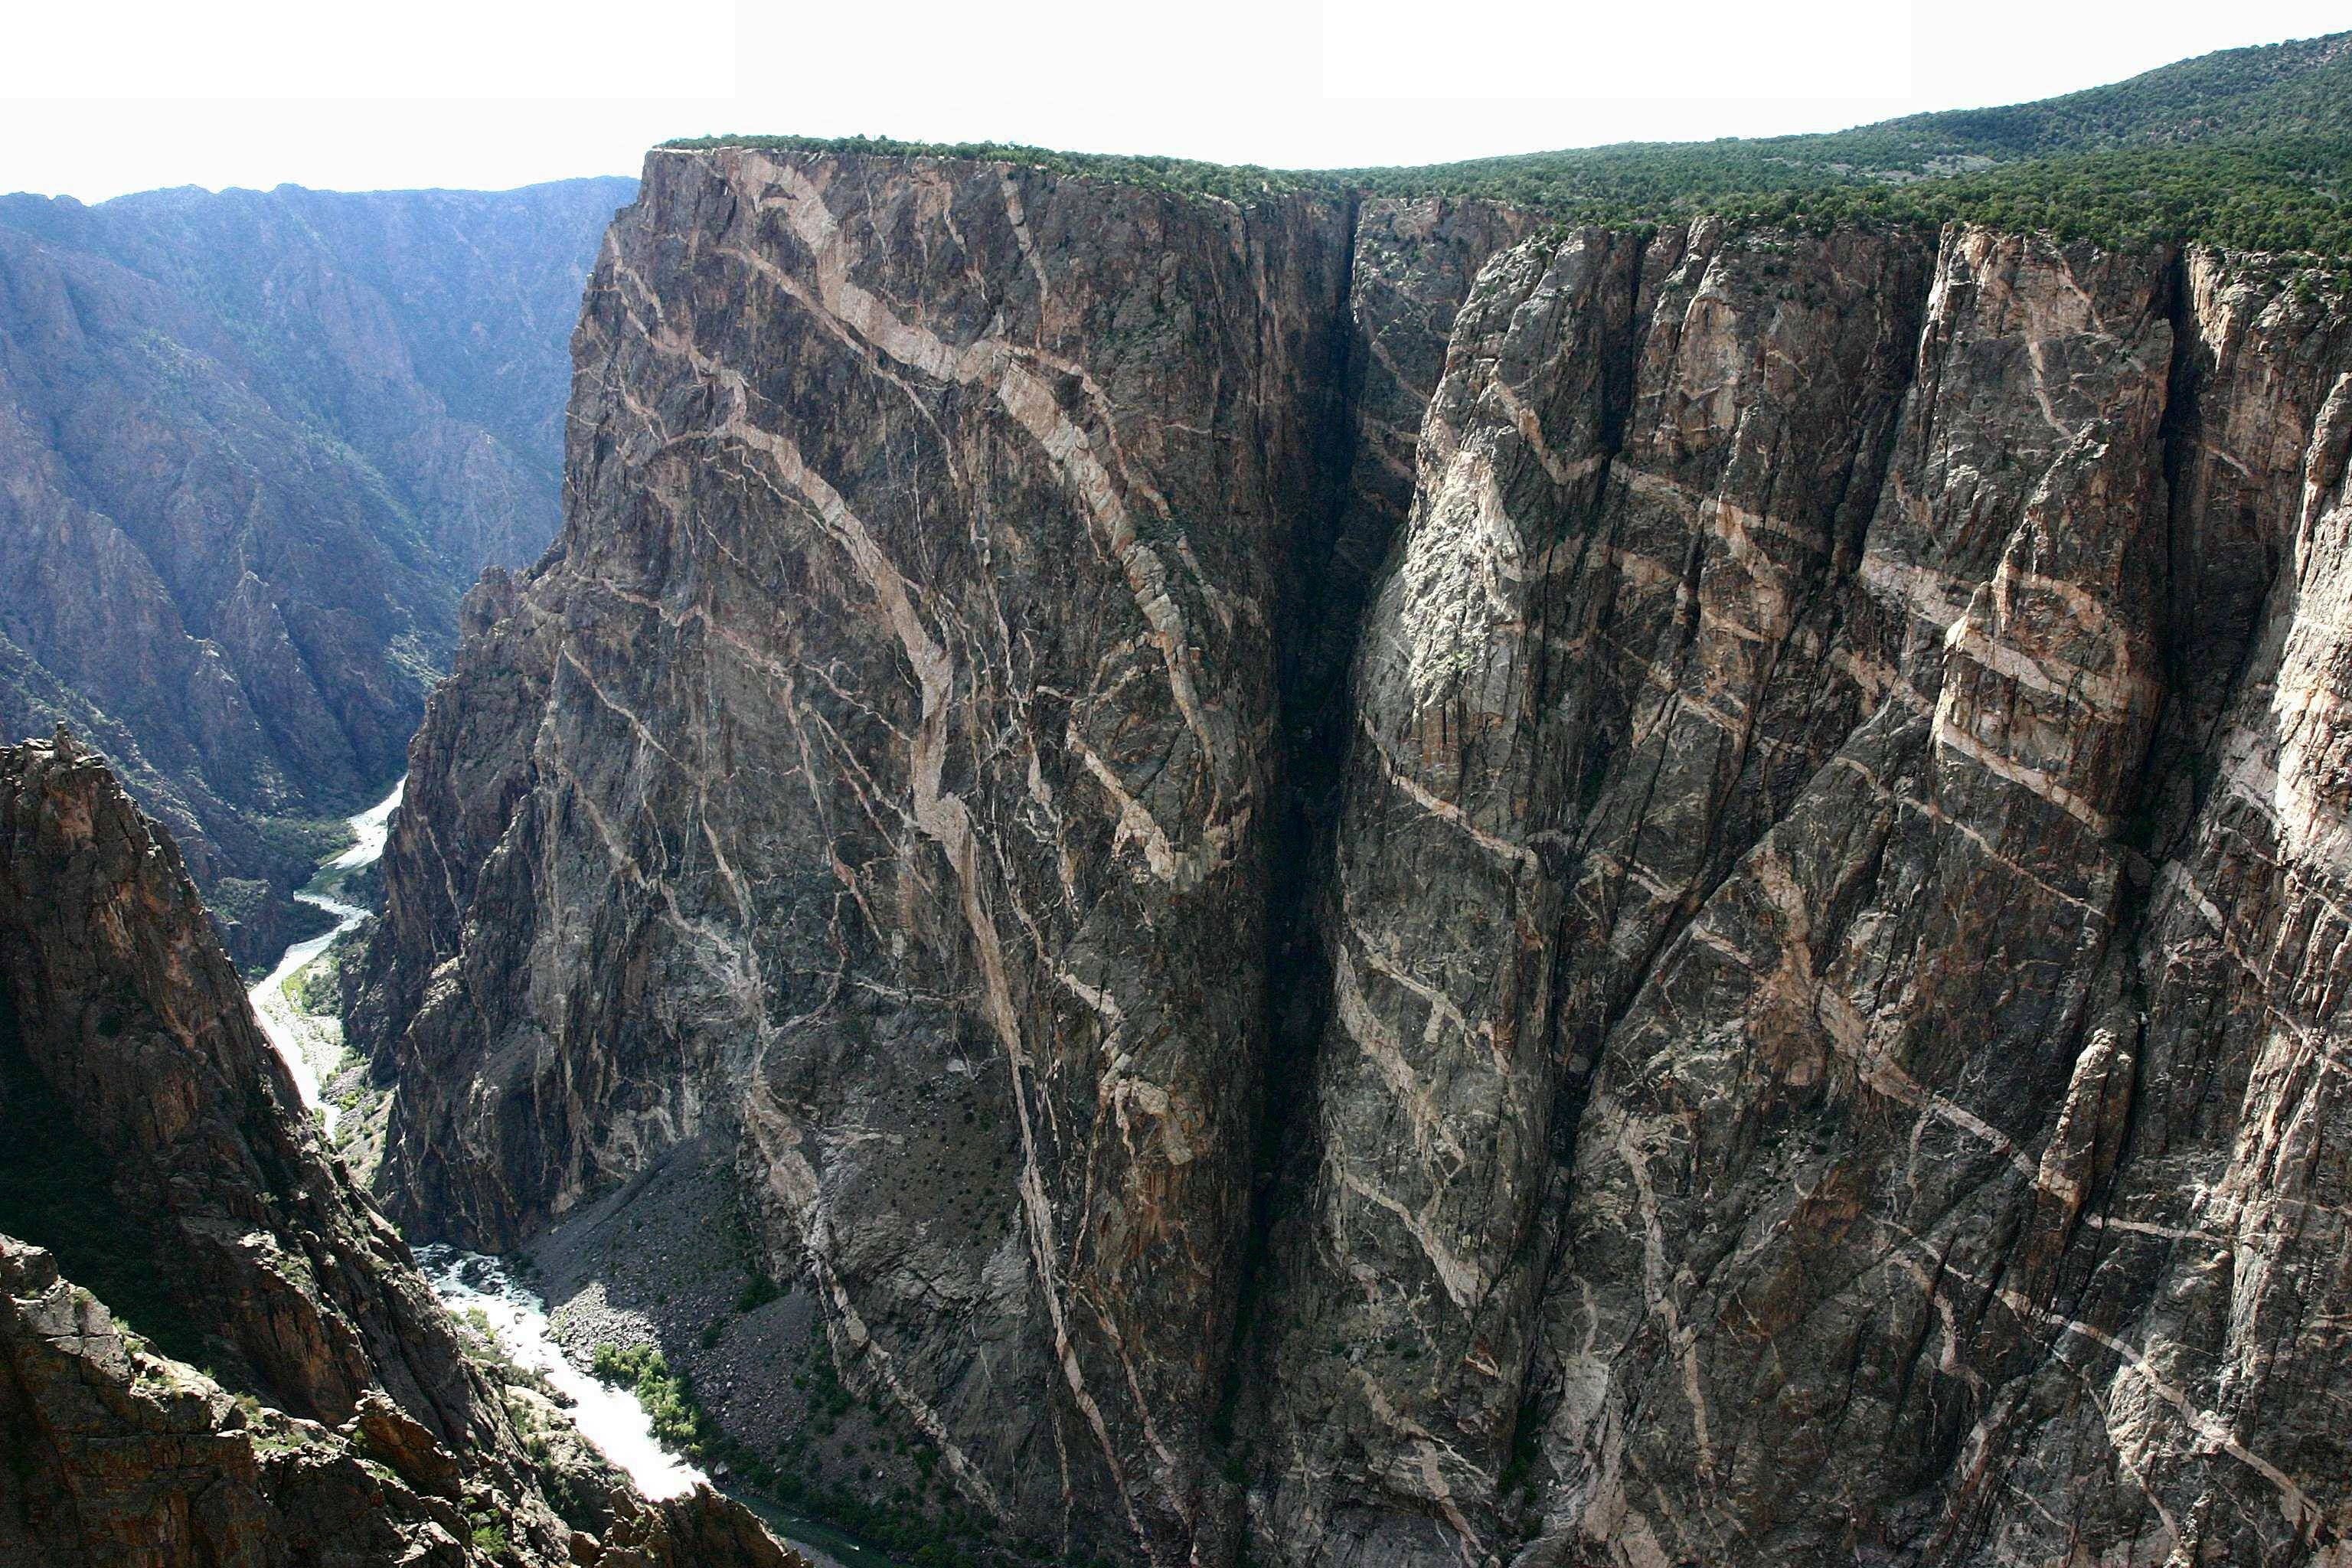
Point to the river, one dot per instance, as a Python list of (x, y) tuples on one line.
[(607, 1417), (611, 1418), (312, 1046)]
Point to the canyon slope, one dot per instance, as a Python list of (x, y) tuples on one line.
[(253, 448), (213, 1350), (1342, 879)]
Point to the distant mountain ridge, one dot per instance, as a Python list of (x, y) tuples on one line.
[(253, 448)]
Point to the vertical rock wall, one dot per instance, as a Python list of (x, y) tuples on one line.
[(894, 784), (1740, 971)]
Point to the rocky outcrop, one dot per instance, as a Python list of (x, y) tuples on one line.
[(253, 446), (120, 1457), (280, 1386), (1771, 1003), (176, 1150)]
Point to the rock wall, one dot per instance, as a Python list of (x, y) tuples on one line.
[(1756, 991), (933, 797)]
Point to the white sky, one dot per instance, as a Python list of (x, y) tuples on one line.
[(100, 97)]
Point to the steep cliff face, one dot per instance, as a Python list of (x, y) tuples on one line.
[(1794, 1093), (253, 446), (282, 1386), (1738, 972), (177, 1163), (1575, 703), (910, 740)]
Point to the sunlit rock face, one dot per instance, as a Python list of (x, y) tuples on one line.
[(889, 746), (1680, 904)]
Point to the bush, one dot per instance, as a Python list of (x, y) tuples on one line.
[(2247, 148), (678, 1423)]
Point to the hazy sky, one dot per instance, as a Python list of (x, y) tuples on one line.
[(99, 99)]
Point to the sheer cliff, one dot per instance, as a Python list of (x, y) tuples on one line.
[(261, 1376), (253, 448), (1341, 882)]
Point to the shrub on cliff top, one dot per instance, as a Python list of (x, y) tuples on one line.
[(2250, 148)]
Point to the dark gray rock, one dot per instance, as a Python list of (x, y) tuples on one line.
[(1762, 990), (280, 1386)]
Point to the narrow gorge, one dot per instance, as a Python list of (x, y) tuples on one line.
[(254, 446), (1327, 879), (212, 1349)]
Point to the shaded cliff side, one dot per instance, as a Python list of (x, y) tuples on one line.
[(280, 1386), (253, 446), (1677, 906), (1795, 1095)]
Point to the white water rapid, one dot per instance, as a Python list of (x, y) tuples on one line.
[(312, 1048), (373, 826), (609, 1417)]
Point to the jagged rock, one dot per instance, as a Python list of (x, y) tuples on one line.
[(381, 1431), (287, 1390), (686, 1532), (122, 1458), (1781, 1013), (118, 1457), (176, 1160)]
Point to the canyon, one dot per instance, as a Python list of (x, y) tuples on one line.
[(1635, 857), (1335, 879), (213, 1350), (253, 448)]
